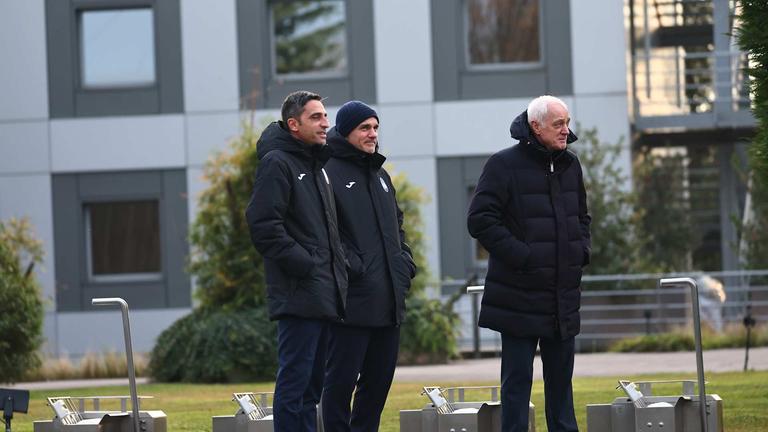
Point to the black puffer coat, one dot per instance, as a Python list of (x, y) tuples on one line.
[(529, 211), (380, 263), (292, 220)]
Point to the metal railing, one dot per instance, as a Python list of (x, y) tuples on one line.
[(614, 307)]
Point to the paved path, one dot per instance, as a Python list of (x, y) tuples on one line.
[(600, 364)]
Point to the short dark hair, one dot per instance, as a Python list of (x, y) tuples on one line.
[(293, 105)]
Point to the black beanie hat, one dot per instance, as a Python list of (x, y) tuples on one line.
[(352, 114)]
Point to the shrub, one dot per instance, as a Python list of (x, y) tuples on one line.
[(21, 308), (92, 365), (681, 339), (217, 346)]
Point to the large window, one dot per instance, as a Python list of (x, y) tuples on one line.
[(121, 234), (323, 45), (123, 240), (487, 49), (113, 57), (309, 38), (117, 48), (502, 32)]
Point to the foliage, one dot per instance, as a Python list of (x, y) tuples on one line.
[(664, 226), (227, 269), (429, 333), (217, 346), (21, 307), (753, 231), (611, 205), (92, 365), (734, 336), (753, 39)]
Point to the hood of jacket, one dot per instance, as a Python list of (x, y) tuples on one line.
[(276, 137), (521, 131), (342, 149)]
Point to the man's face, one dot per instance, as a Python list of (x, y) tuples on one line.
[(552, 133), (310, 127), (364, 136)]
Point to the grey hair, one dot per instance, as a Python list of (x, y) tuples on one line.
[(539, 107)]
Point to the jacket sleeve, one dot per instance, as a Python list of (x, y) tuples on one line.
[(266, 218), (584, 219), (486, 216)]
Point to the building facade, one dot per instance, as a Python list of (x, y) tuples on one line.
[(110, 109)]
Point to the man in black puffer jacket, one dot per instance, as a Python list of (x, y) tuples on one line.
[(293, 224), (380, 273), (529, 211)]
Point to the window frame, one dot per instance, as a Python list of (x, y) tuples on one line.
[(501, 67), (71, 192), (262, 88), (68, 96), (455, 80)]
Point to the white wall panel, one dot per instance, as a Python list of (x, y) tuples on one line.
[(117, 143), (102, 330), (209, 132), (23, 70), (406, 130), (599, 47), (209, 47), (608, 114), (422, 173), (24, 147), (476, 127), (403, 42)]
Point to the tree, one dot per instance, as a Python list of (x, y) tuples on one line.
[(21, 308), (611, 204), (752, 36)]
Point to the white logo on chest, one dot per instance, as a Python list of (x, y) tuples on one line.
[(350, 184), (301, 176), (383, 185)]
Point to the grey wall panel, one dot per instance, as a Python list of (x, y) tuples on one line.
[(361, 51), (99, 186), (175, 234), (116, 102), (446, 46), (557, 47), (170, 76), (60, 44), (526, 83), (66, 217), (452, 211), (252, 48)]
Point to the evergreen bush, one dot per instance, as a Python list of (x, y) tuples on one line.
[(21, 307)]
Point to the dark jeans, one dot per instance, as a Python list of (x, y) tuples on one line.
[(360, 360), (301, 348), (517, 376)]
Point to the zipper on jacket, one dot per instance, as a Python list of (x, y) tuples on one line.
[(551, 166)]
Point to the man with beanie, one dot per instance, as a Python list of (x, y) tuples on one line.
[(293, 224), (362, 351), (529, 211)]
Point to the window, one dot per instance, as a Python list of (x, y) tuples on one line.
[(502, 32), (123, 240), (117, 48), (121, 234), (113, 57), (309, 38), (325, 46), (498, 49)]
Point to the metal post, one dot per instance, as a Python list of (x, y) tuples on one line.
[(475, 289), (128, 352), (673, 282)]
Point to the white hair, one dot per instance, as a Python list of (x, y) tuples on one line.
[(539, 107)]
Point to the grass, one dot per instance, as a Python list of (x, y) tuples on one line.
[(190, 406)]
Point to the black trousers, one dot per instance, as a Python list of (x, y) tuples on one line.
[(517, 356), (301, 348), (360, 360)]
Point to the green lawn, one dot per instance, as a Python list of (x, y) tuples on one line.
[(190, 406)]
